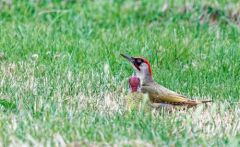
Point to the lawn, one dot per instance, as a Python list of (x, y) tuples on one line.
[(63, 81)]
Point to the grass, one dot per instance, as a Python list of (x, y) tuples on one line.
[(61, 69)]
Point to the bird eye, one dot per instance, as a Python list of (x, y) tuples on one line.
[(139, 62)]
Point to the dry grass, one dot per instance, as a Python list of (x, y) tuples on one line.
[(60, 67)]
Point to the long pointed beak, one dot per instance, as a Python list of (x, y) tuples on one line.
[(129, 58)]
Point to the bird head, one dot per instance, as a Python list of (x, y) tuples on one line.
[(134, 84), (141, 66)]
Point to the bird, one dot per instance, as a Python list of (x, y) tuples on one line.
[(156, 92)]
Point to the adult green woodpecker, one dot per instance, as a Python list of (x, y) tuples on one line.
[(156, 92)]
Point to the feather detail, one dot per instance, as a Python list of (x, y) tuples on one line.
[(160, 94)]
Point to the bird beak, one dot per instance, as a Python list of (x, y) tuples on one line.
[(132, 60), (129, 58)]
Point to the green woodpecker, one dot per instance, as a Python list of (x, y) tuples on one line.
[(156, 92)]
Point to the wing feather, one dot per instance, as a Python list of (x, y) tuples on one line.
[(158, 94)]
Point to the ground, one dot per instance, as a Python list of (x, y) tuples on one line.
[(63, 81)]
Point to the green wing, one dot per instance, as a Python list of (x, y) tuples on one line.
[(160, 94)]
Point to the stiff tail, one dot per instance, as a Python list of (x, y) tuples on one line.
[(198, 102), (193, 103), (206, 101)]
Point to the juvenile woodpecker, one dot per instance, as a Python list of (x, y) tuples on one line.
[(156, 92)]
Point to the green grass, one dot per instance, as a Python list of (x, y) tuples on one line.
[(60, 67)]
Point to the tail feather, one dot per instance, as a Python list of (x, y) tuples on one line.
[(206, 101), (198, 102)]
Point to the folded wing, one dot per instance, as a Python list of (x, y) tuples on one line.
[(160, 94)]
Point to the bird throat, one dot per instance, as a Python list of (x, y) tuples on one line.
[(141, 77), (144, 78)]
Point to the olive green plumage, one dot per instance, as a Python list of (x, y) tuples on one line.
[(157, 93)]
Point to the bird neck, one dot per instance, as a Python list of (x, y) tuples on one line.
[(145, 78)]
